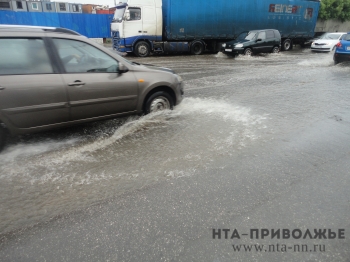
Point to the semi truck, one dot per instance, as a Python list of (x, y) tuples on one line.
[(143, 27)]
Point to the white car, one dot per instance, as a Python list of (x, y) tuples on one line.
[(326, 42)]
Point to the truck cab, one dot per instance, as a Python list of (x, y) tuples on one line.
[(136, 25)]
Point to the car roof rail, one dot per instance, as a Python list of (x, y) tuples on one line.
[(39, 28)]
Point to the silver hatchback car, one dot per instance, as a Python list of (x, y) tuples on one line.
[(55, 77)]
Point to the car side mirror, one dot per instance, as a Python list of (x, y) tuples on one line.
[(127, 15), (259, 39), (122, 68)]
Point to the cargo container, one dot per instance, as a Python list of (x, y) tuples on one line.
[(196, 26)]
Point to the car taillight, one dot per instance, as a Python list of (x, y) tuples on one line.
[(339, 44)]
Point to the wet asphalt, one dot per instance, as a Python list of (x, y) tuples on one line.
[(258, 143)]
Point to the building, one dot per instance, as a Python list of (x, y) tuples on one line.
[(19, 6), (40, 6), (62, 7), (75, 8), (6, 5), (34, 6), (49, 7)]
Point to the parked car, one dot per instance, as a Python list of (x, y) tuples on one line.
[(326, 42), (254, 42), (342, 51), (55, 77)]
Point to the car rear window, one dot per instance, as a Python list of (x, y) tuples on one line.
[(270, 34), (346, 37), (330, 36), (23, 56)]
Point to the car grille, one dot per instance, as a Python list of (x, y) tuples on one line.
[(116, 40)]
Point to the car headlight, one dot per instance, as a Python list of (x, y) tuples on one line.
[(179, 78), (224, 45), (239, 45)]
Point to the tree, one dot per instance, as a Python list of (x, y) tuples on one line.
[(335, 9)]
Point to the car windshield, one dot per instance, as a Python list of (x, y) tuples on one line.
[(330, 36), (246, 36), (250, 36), (118, 14)]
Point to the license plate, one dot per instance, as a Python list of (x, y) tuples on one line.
[(228, 50), (348, 48)]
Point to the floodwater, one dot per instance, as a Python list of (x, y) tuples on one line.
[(230, 104)]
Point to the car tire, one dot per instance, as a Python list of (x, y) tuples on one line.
[(197, 48), (142, 49), (287, 45), (248, 52), (2, 137), (159, 101), (275, 50)]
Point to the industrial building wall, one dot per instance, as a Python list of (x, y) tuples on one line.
[(332, 26), (90, 25), (19, 6)]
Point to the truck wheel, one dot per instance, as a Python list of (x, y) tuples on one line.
[(197, 48), (158, 101), (275, 50), (287, 45), (248, 52), (2, 137), (142, 49)]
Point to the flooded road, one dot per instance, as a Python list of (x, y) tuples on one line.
[(233, 109)]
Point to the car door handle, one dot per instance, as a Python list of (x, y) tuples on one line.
[(76, 83)]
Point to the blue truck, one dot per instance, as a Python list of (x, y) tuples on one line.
[(196, 26)]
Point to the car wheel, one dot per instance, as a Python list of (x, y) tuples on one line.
[(2, 137), (287, 45), (159, 101), (197, 48), (142, 49), (248, 52), (275, 50)]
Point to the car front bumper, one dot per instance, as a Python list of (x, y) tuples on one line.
[(324, 48), (180, 92), (233, 50)]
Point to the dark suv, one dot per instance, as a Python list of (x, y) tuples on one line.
[(254, 42), (55, 77)]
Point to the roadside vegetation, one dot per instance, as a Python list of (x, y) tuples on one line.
[(335, 9)]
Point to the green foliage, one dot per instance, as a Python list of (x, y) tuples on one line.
[(335, 9)]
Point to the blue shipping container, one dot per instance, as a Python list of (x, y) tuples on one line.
[(89, 25), (188, 20)]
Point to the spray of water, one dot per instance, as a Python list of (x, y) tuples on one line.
[(50, 178)]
